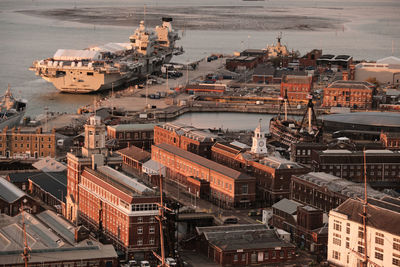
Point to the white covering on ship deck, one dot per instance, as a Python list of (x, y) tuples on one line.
[(112, 47), (71, 54)]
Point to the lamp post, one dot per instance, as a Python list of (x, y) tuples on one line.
[(112, 101)]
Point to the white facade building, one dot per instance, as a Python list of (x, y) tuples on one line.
[(346, 233), (386, 71)]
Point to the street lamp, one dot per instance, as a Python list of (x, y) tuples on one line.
[(112, 101)]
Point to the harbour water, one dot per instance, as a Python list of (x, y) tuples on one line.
[(365, 29)]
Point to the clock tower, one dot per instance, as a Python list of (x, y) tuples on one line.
[(259, 141)]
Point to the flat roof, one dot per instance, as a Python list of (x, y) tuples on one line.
[(234, 174), (287, 205), (366, 118), (132, 127), (130, 182), (248, 236)]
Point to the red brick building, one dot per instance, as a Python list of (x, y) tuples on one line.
[(123, 135), (326, 192), (304, 223), (243, 245), (12, 199), (133, 159), (205, 89), (382, 166), (185, 137), (241, 63), (17, 143), (228, 187), (297, 88), (391, 140), (272, 174), (310, 59), (120, 207), (352, 94)]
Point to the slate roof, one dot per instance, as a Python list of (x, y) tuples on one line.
[(382, 215), (242, 237), (49, 164), (21, 177), (288, 206), (204, 162), (48, 238), (339, 185), (54, 183), (135, 153), (9, 192)]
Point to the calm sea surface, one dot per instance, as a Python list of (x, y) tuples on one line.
[(370, 30)]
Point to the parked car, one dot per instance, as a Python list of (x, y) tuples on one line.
[(144, 264), (170, 261)]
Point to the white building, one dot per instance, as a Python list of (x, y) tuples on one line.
[(346, 233), (386, 70)]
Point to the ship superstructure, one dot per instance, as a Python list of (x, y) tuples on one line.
[(11, 110), (110, 65)]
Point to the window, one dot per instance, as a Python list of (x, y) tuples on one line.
[(335, 255), (235, 257), (140, 219), (244, 257), (140, 242), (396, 260), (379, 238), (336, 239), (337, 225), (379, 254), (151, 230), (245, 189), (396, 244), (140, 230), (347, 228)]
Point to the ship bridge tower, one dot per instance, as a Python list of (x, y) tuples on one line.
[(259, 145)]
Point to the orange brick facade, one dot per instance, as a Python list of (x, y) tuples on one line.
[(164, 135), (228, 187), (297, 88), (352, 95), (15, 143)]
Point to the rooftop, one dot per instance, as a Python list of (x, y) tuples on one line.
[(288, 206), (49, 237), (382, 215), (54, 183), (133, 127), (9, 192), (136, 153), (204, 162), (124, 180), (49, 164), (236, 237), (366, 118), (351, 84), (279, 163), (191, 132), (339, 185)]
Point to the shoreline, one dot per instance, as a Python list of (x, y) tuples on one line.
[(200, 18)]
